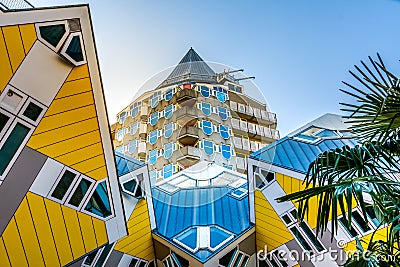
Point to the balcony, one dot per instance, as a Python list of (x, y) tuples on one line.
[(188, 156), (253, 114), (189, 135), (185, 94), (185, 114), (144, 112), (143, 130), (142, 149)]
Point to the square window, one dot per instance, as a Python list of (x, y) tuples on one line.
[(32, 111)]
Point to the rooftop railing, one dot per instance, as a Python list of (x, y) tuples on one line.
[(15, 4)]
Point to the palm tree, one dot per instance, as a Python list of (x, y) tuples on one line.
[(367, 174)]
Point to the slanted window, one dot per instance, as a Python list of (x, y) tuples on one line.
[(205, 108), (153, 137), (132, 146), (12, 144), (168, 111), (153, 119), (33, 112), (223, 113), (169, 150), (134, 127), (155, 98), (226, 151), (139, 263), (80, 192), (204, 90), (98, 257), (224, 131), (221, 94), (207, 127), (99, 202), (169, 129), (314, 134), (53, 34), (303, 233), (358, 226), (135, 109), (122, 117), (169, 170), (152, 158), (227, 258), (169, 94), (63, 185), (133, 187)]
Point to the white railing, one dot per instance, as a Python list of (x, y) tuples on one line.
[(255, 128)]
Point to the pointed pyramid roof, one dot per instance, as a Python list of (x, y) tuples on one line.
[(191, 68)]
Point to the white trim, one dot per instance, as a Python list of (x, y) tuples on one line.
[(109, 199), (8, 123)]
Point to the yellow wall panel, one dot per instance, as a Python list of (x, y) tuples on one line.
[(5, 70), (74, 87), (100, 230), (13, 244), (14, 44), (63, 133), (74, 231), (78, 73), (28, 234), (28, 34), (59, 231), (88, 234), (66, 146), (68, 119), (379, 235), (89, 164), (99, 173), (270, 230), (138, 233), (42, 226), (3, 254), (82, 153), (70, 103)]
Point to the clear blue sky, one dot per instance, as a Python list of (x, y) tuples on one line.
[(299, 51)]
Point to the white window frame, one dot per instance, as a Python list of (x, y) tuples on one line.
[(63, 39), (4, 94), (24, 107), (56, 182), (92, 183), (21, 146), (109, 199), (355, 225), (97, 257), (8, 123), (63, 51)]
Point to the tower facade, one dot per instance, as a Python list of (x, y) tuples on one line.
[(194, 115)]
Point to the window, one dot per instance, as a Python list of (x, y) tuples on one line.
[(170, 262), (224, 131), (221, 94), (54, 33), (98, 257), (153, 137), (99, 203), (80, 192), (134, 187), (358, 225), (169, 170), (135, 109), (33, 112), (73, 49), (169, 150), (153, 155), (63, 185), (241, 259), (154, 98), (121, 133), (205, 108), (138, 263), (227, 258), (122, 117), (4, 120), (241, 108), (302, 233), (134, 127), (153, 176), (132, 146), (204, 90), (169, 129), (12, 144), (208, 147), (169, 94), (153, 118), (223, 113), (226, 151), (314, 134), (168, 111), (207, 127)]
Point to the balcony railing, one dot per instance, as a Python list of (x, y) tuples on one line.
[(15, 4), (250, 111)]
